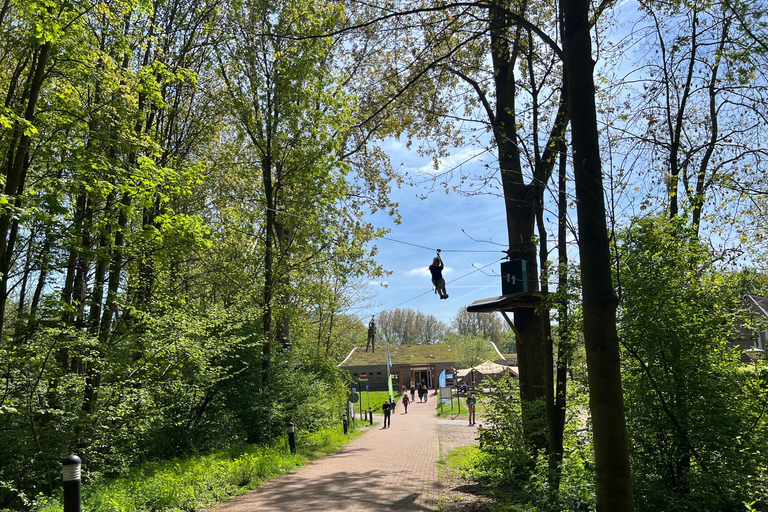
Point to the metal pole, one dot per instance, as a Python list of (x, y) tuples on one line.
[(292, 437), (71, 471), (346, 425), (370, 415)]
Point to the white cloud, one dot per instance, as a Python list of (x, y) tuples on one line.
[(465, 156), (418, 271), (374, 282), (424, 271)]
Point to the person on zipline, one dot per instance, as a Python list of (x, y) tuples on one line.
[(436, 269)]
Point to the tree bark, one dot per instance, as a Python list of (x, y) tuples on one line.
[(564, 342), (612, 470)]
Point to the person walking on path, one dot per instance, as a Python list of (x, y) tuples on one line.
[(471, 402), (386, 409), (405, 402), (413, 393), (426, 392), (421, 393)]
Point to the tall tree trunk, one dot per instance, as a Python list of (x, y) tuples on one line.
[(555, 439), (613, 474), (269, 276), (564, 342), (42, 278), (115, 269)]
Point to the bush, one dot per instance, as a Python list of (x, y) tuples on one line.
[(524, 481)]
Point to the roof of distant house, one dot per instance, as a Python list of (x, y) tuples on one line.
[(402, 354), (758, 304), (406, 354)]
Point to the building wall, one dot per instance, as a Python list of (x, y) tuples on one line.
[(377, 374)]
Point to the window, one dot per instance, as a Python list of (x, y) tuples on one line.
[(762, 339)]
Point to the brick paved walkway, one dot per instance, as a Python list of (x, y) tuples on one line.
[(382, 470)]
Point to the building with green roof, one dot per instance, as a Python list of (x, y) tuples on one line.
[(411, 365)]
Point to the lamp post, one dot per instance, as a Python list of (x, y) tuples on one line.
[(292, 437), (71, 472)]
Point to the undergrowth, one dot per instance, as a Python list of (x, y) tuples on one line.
[(200, 482)]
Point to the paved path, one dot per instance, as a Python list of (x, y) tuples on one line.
[(389, 469)]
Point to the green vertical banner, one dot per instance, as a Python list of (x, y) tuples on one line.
[(391, 393)]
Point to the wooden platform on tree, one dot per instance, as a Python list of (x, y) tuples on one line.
[(506, 302)]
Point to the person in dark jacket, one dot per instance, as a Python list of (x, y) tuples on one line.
[(436, 269), (387, 410)]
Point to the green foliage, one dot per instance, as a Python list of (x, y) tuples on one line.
[(176, 384), (489, 326), (472, 349), (694, 415), (133, 303), (520, 480)]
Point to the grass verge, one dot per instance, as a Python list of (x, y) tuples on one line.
[(202, 481)]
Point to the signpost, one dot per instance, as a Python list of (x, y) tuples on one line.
[(445, 394)]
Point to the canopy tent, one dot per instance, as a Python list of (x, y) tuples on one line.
[(489, 368), (462, 373), (486, 369)]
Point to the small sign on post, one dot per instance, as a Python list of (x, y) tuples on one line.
[(445, 394)]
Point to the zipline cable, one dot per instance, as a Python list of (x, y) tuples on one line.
[(396, 240), (430, 248), (449, 282)]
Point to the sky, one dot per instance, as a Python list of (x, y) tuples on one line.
[(444, 221)]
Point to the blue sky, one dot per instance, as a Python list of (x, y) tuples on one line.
[(437, 222)]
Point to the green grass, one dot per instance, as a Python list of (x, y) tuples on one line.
[(462, 456), (377, 398), (202, 481), (453, 413)]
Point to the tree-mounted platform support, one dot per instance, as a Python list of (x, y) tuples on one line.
[(506, 303)]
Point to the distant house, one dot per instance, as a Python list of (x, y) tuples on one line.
[(411, 365), (754, 343)]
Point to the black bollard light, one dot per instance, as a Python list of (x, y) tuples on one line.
[(346, 425), (370, 415), (71, 471), (292, 437)]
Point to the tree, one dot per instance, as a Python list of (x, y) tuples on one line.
[(408, 327), (687, 393), (292, 117), (337, 330), (485, 325), (697, 123), (499, 58), (471, 350), (612, 469), (134, 242)]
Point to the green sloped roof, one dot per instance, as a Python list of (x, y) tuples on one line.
[(403, 354)]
